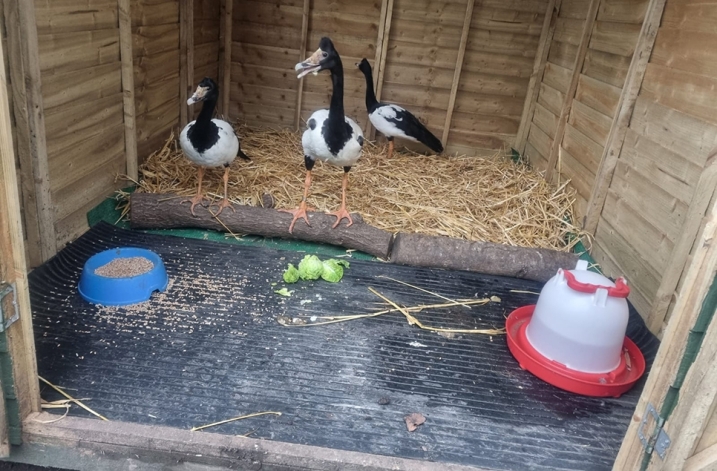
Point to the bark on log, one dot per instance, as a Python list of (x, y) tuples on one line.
[(157, 211), (483, 257)]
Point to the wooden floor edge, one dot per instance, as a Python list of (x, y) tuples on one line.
[(159, 444)]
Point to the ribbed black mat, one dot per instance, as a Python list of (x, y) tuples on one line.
[(210, 348)]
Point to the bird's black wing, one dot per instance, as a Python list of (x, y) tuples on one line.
[(409, 124)]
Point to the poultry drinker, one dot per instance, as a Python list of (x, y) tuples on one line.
[(574, 337)]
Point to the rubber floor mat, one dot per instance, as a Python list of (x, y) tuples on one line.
[(211, 348)]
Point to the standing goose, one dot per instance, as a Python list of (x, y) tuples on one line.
[(392, 120), (330, 136), (209, 142)]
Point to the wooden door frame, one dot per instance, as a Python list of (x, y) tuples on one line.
[(13, 269)]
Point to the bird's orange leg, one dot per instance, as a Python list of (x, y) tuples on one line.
[(225, 202), (342, 213), (390, 147), (300, 212), (198, 197)]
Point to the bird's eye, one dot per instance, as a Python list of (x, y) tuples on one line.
[(325, 54)]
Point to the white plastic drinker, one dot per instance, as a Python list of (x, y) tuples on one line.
[(580, 320)]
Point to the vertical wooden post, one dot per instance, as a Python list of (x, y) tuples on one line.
[(13, 269), (186, 57), (225, 54), (302, 51), (625, 107), (379, 61), (130, 130), (384, 34), (698, 279), (34, 126), (14, 56), (570, 94), (457, 72), (541, 58), (183, 85)]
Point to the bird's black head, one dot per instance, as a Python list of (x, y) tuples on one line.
[(364, 66), (325, 57), (207, 89)]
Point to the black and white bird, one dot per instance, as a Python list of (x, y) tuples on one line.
[(330, 136), (392, 120), (209, 142)]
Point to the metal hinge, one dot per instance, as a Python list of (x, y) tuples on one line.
[(658, 441), (8, 318)]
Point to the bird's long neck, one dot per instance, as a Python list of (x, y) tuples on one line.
[(205, 115), (336, 109), (371, 101)]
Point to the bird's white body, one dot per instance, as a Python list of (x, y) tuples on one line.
[(222, 152), (316, 147), (380, 120)]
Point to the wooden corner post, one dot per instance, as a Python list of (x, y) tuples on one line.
[(13, 273), (379, 62), (302, 52), (130, 129)]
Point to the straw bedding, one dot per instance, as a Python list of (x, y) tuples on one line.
[(474, 198)]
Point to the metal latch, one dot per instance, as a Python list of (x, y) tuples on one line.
[(658, 441), (8, 316)]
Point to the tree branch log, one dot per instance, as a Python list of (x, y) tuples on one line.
[(484, 257), (157, 211)]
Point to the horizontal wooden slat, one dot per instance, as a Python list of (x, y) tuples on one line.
[(156, 12), (91, 186), (580, 178), (568, 31), (623, 11), (545, 120), (87, 84), (590, 122), (550, 98), (691, 94), (661, 209), (498, 64), (63, 16), (576, 9), (668, 170), (64, 52), (85, 155), (506, 20), (606, 67), (700, 15), (673, 130), (615, 38), (562, 54), (652, 245), (154, 39), (536, 159), (598, 95), (557, 77), (256, 54), (487, 104), (539, 140), (584, 149), (257, 95)]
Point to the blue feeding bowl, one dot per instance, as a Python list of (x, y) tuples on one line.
[(120, 291)]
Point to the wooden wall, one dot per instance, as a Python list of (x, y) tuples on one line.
[(482, 103), (672, 132), (631, 131), (155, 31), (80, 69)]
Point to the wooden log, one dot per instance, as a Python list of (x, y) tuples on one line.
[(485, 257), (156, 211)]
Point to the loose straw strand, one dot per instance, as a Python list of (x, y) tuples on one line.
[(76, 401)]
